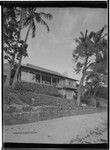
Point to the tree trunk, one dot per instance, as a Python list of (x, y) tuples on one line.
[(80, 89), (95, 90), (81, 83), (8, 78), (20, 60)]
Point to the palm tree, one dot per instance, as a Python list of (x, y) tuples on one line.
[(10, 28), (31, 17), (98, 74), (101, 47), (93, 44), (84, 50)]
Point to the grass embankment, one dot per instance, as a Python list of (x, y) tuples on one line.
[(26, 104)]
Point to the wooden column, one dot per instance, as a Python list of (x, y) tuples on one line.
[(40, 78), (28, 76), (51, 81)]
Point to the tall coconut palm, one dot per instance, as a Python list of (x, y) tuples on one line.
[(84, 50), (101, 48), (89, 45), (32, 17), (98, 74)]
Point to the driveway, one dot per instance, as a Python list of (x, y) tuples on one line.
[(57, 131)]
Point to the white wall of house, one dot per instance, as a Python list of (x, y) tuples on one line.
[(67, 82), (68, 93), (41, 77)]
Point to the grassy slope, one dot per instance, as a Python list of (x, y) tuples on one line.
[(58, 107)]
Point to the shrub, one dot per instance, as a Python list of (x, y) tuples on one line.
[(89, 100), (9, 109), (85, 99), (27, 108), (75, 96), (102, 92), (11, 98), (5, 107), (25, 86), (9, 89), (37, 88)]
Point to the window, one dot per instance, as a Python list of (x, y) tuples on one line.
[(46, 79), (38, 78), (67, 82), (55, 81)]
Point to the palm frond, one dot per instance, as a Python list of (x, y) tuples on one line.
[(91, 66), (33, 29), (81, 39), (77, 41), (86, 34), (82, 34), (27, 21), (45, 24), (45, 15), (104, 35), (91, 35), (41, 21), (101, 31)]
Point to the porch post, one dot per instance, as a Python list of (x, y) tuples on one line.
[(40, 78), (51, 81), (28, 76)]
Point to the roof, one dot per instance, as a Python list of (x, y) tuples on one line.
[(46, 70)]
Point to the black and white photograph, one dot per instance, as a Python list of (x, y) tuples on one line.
[(55, 75)]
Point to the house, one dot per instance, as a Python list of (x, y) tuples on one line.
[(31, 73)]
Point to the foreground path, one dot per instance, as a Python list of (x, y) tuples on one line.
[(61, 130)]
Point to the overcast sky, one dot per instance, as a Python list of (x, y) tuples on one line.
[(53, 50)]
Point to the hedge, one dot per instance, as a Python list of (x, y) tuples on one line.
[(10, 96), (37, 88)]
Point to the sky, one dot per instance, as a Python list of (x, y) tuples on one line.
[(53, 50)]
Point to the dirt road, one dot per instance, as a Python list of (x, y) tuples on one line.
[(62, 130)]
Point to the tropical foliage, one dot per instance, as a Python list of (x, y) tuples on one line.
[(28, 17), (14, 20), (12, 46), (90, 53)]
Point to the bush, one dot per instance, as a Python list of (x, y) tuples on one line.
[(10, 96), (9, 89), (89, 100), (37, 88), (85, 99), (9, 109), (27, 108), (102, 92), (25, 86), (5, 107)]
